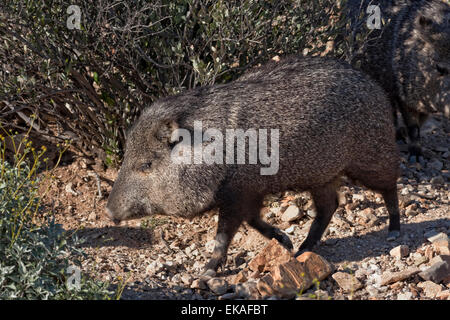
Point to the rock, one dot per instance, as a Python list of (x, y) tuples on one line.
[(239, 278), (405, 296), (433, 236), (438, 272), (228, 296), (154, 267), (267, 286), (296, 275), (443, 295), (170, 266), (247, 290), (400, 251), (198, 284), (187, 279), (430, 289), (290, 230), (342, 199), (438, 180), (217, 285), (429, 252), (210, 245), (292, 213), (254, 275), (418, 259), (92, 216), (311, 213), (291, 275), (69, 189), (273, 254), (357, 196), (315, 265), (410, 210), (435, 165), (391, 277), (367, 217), (442, 246), (346, 281), (441, 258)]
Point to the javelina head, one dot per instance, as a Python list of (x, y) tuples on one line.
[(150, 182), (433, 25)]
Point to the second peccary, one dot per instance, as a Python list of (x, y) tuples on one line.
[(332, 121), (410, 57)]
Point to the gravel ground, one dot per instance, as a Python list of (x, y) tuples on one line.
[(161, 257)]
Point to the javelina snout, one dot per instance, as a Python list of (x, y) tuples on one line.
[(330, 121), (149, 182)]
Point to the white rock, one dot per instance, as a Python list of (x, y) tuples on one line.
[(437, 237), (359, 197), (400, 251), (292, 213), (210, 245), (290, 230)]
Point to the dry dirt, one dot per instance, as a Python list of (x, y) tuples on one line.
[(160, 256)]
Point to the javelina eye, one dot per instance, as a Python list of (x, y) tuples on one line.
[(442, 70), (145, 167)]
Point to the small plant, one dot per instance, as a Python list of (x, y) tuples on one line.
[(153, 222), (35, 252)]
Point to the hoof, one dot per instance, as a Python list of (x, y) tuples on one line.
[(302, 249), (415, 154), (214, 264), (208, 273), (401, 134), (392, 235), (284, 240)]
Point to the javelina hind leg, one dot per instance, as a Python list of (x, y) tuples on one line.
[(271, 232), (229, 221), (383, 180), (391, 200), (412, 122), (414, 148), (326, 201)]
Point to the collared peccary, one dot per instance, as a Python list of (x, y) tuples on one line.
[(331, 121), (409, 56)]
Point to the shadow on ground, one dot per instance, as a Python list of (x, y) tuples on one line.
[(351, 248)]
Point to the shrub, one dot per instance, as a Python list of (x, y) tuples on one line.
[(92, 83), (35, 253)]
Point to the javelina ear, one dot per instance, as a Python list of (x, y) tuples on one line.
[(165, 130)]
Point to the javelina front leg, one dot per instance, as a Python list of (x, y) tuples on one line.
[(326, 202), (228, 224), (271, 232)]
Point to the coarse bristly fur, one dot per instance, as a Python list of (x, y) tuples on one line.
[(332, 121), (410, 57)]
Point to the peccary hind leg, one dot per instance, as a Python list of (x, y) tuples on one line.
[(383, 180), (391, 200), (326, 201), (413, 121)]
